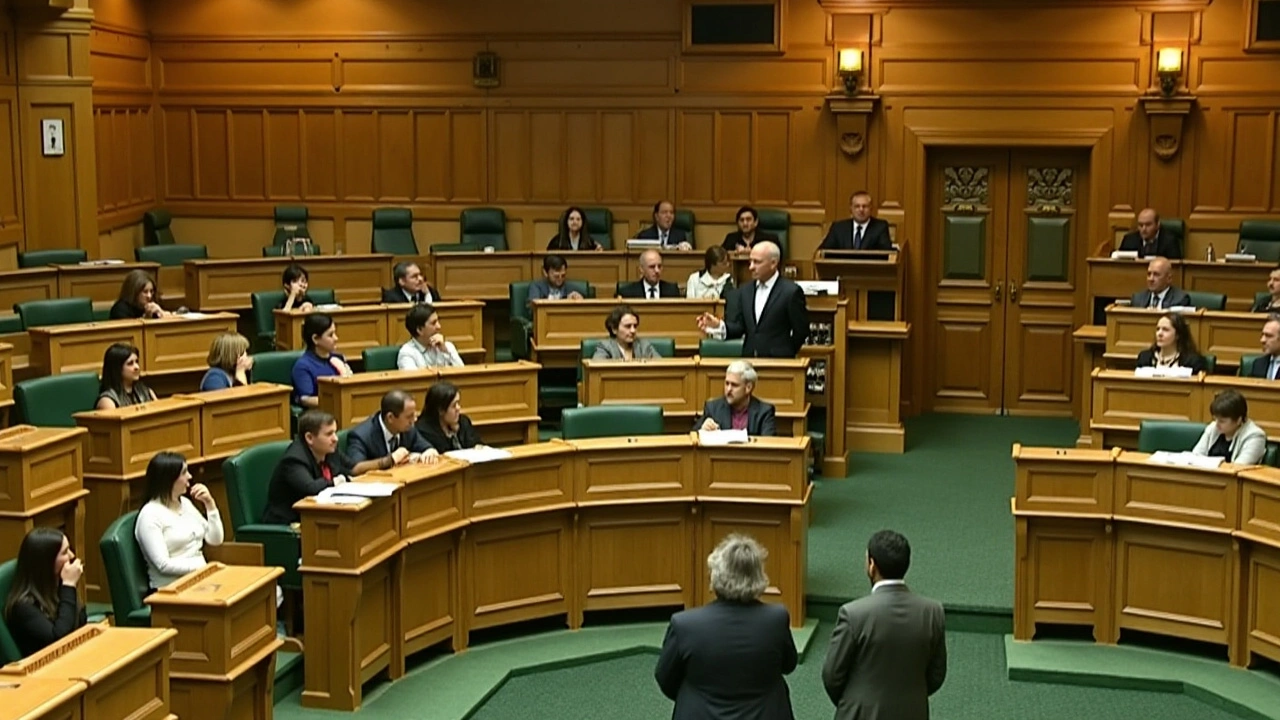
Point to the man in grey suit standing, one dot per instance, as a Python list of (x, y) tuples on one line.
[(888, 651)]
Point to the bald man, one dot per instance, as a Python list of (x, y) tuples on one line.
[(1160, 292), (768, 313), (650, 286), (1151, 238)]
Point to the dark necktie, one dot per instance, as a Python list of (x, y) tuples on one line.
[(393, 443), (653, 293), (1155, 301), (857, 238), (1149, 248)]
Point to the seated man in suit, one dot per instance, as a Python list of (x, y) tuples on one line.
[(1160, 292), (664, 214), (309, 465), (389, 436), (411, 286), (1271, 303), (860, 232), (769, 312), (739, 409), (1151, 239), (1268, 366), (555, 270), (746, 236), (650, 286)]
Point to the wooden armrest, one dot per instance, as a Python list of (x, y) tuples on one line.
[(234, 553)]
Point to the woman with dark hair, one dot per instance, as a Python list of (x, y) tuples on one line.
[(442, 423), (1174, 346), (714, 279), (170, 530), (138, 298), (295, 280), (121, 384), (321, 359), (42, 606), (747, 234), (573, 233), (623, 324), (1232, 436)]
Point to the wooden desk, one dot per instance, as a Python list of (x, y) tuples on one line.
[(180, 345), (170, 348), (6, 380), (1110, 280), (459, 547), (1090, 347), (1122, 400), (18, 286), (603, 269), (862, 279), (99, 282), (872, 389), (41, 485), (361, 327), (32, 699), (125, 670), (238, 418), (226, 284), (1226, 335), (487, 276), (780, 382), (1113, 542), (59, 349), (560, 327)]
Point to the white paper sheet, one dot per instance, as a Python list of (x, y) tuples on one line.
[(479, 454), (717, 438)]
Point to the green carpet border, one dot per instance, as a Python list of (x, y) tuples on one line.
[(1244, 693)]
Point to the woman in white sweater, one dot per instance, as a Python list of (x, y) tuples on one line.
[(714, 277), (1232, 436), (170, 530)]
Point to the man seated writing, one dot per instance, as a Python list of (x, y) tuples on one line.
[(555, 271), (310, 464), (739, 409)]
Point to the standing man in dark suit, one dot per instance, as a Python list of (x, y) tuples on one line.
[(726, 660), (650, 286), (860, 232), (739, 408), (1268, 366), (389, 436), (411, 286), (769, 312), (1151, 238), (888, 650), (664, 214), (1160, 293)]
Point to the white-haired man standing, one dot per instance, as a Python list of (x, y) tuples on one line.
[(769, 312)]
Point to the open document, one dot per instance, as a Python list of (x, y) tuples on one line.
[(479, 454), (354, 493), (1185, 459)]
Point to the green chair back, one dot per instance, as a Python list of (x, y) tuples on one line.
[(170, 255), (1246, 362), (126, 571), (776, 223), (1272, 454), (264, 318), (60, 256), (278, 250), (248, 476), (1207, 300), (685, 221), (58, 311), (1168, 435), (10, 324), (481, 227), (380, 358), (1260, 297), (1210, 363), (275, 366), (710, 347), (53, 400), (294, 216), (393, 232), (342, 440), (8, 646), (666, 347), (1260, 238), (1177, 227), (600, 225), (611, 421), (155, 227)]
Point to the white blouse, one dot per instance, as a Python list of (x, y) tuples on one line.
[(702, 285), (173, 542)]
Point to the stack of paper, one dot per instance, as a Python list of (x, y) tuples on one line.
[(716, 438), (1185, 459), (1177, 371), (479, 454), (360, 489)]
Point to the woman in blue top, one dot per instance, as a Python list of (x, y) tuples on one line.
[(229, 363), (321, 359)]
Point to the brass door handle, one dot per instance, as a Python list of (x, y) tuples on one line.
[(999, 288), (1013, 292)]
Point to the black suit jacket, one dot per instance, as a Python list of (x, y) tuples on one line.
[(1258, 368), (1175, 297), (675, 235), (298, 476), (784, 322), (365, 441), (395, 296), (636, 290), (761, 416), (33, 631), (733, 239), (1147, 358), (431, 432), (840, 236), (726, 661), (1166, 245)]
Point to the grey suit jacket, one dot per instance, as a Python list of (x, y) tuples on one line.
[(1175, 297), (888, 654), (1249, 447), (761, 416), (610, 350)]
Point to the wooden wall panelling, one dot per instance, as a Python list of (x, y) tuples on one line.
[(11, 216), (125, 136)]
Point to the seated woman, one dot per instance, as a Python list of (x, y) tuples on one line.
[(1174, 346), (442, 423), (229, 363), (295, 280), (426, 347), (623, 325), (573, 233), (42, 606), (714, 278), (170, 531), (137, 299), (1271, 303), (1232, 436), (321, 359), (121, 383)]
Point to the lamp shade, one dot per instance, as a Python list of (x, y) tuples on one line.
[(850, 60), (1169, 60)]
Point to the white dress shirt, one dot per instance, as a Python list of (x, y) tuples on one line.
[(762, 296), (701, 285), (651, 292), (413, 356), (173, 542), (1157, 299), (1273, 367), (387, 435), (886, 583)]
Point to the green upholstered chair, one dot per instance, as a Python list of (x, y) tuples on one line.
[(1260, 238), (685, 221), (248, 474), (393, 232), (665, 346), (522, 315), (155, 227), (126, 571), (291, 222), (278, 250), (9, 324), (1272, 454), (275, 366), (1263, 296), (1246, 361), (1177, 227), (611, 421), (776, 223), (8, 647), (60, 256), (59, 311), (380, 358), (481, 227), (1168, 435), (53, 400), (264, 318), (342, 440), (1208, 300), (600, 224), (1210, 363), (710, 347), (170, 255)]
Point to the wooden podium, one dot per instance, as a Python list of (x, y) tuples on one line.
[(25, 698), (41, 485), (125, 670), (224, 655), (872, 281)]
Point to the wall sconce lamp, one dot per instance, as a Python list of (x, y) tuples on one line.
[(1169, 68), (849, 68)]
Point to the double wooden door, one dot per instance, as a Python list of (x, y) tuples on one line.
[(1005, 242)]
